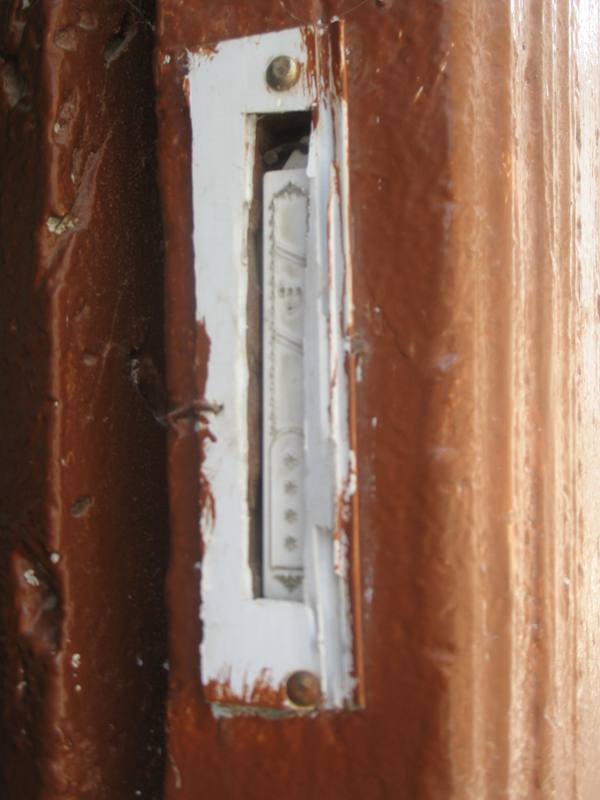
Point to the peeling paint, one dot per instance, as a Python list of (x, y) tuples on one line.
[(250, 644), (59, 225)]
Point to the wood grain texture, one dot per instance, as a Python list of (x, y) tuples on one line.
[(525, 230), (475, 211)]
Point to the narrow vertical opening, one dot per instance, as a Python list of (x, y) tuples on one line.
[(278, 136)]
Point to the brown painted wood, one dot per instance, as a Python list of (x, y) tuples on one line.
[(397, 746), (474, 182), (82, 485), (473, 179)]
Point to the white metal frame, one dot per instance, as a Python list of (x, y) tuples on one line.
[(253, 642)]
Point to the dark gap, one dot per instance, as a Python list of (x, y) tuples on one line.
[(118, 43), (277, 136)]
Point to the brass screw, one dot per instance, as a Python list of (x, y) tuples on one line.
[(303, 689), (282, 73)]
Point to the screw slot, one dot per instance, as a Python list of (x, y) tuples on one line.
[(303, 689), (282, 73)]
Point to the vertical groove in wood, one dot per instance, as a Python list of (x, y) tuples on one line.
[(83, 487), (525, 109)]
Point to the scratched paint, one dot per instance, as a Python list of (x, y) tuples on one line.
[(473, 169), (83, 502)]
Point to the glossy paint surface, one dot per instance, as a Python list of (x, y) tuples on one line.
[(474, 184), (82, 486), (473, 173)]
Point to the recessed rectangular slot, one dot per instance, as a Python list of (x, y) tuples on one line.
[(277, 262)]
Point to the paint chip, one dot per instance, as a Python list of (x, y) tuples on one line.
[(31, 577), (447, 361), (58, 225), (81, 506)]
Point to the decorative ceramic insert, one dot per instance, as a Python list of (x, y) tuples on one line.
[(285, 237), (303, 622)]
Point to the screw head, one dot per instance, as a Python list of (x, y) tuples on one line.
[(303, 689), (282, 73)]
